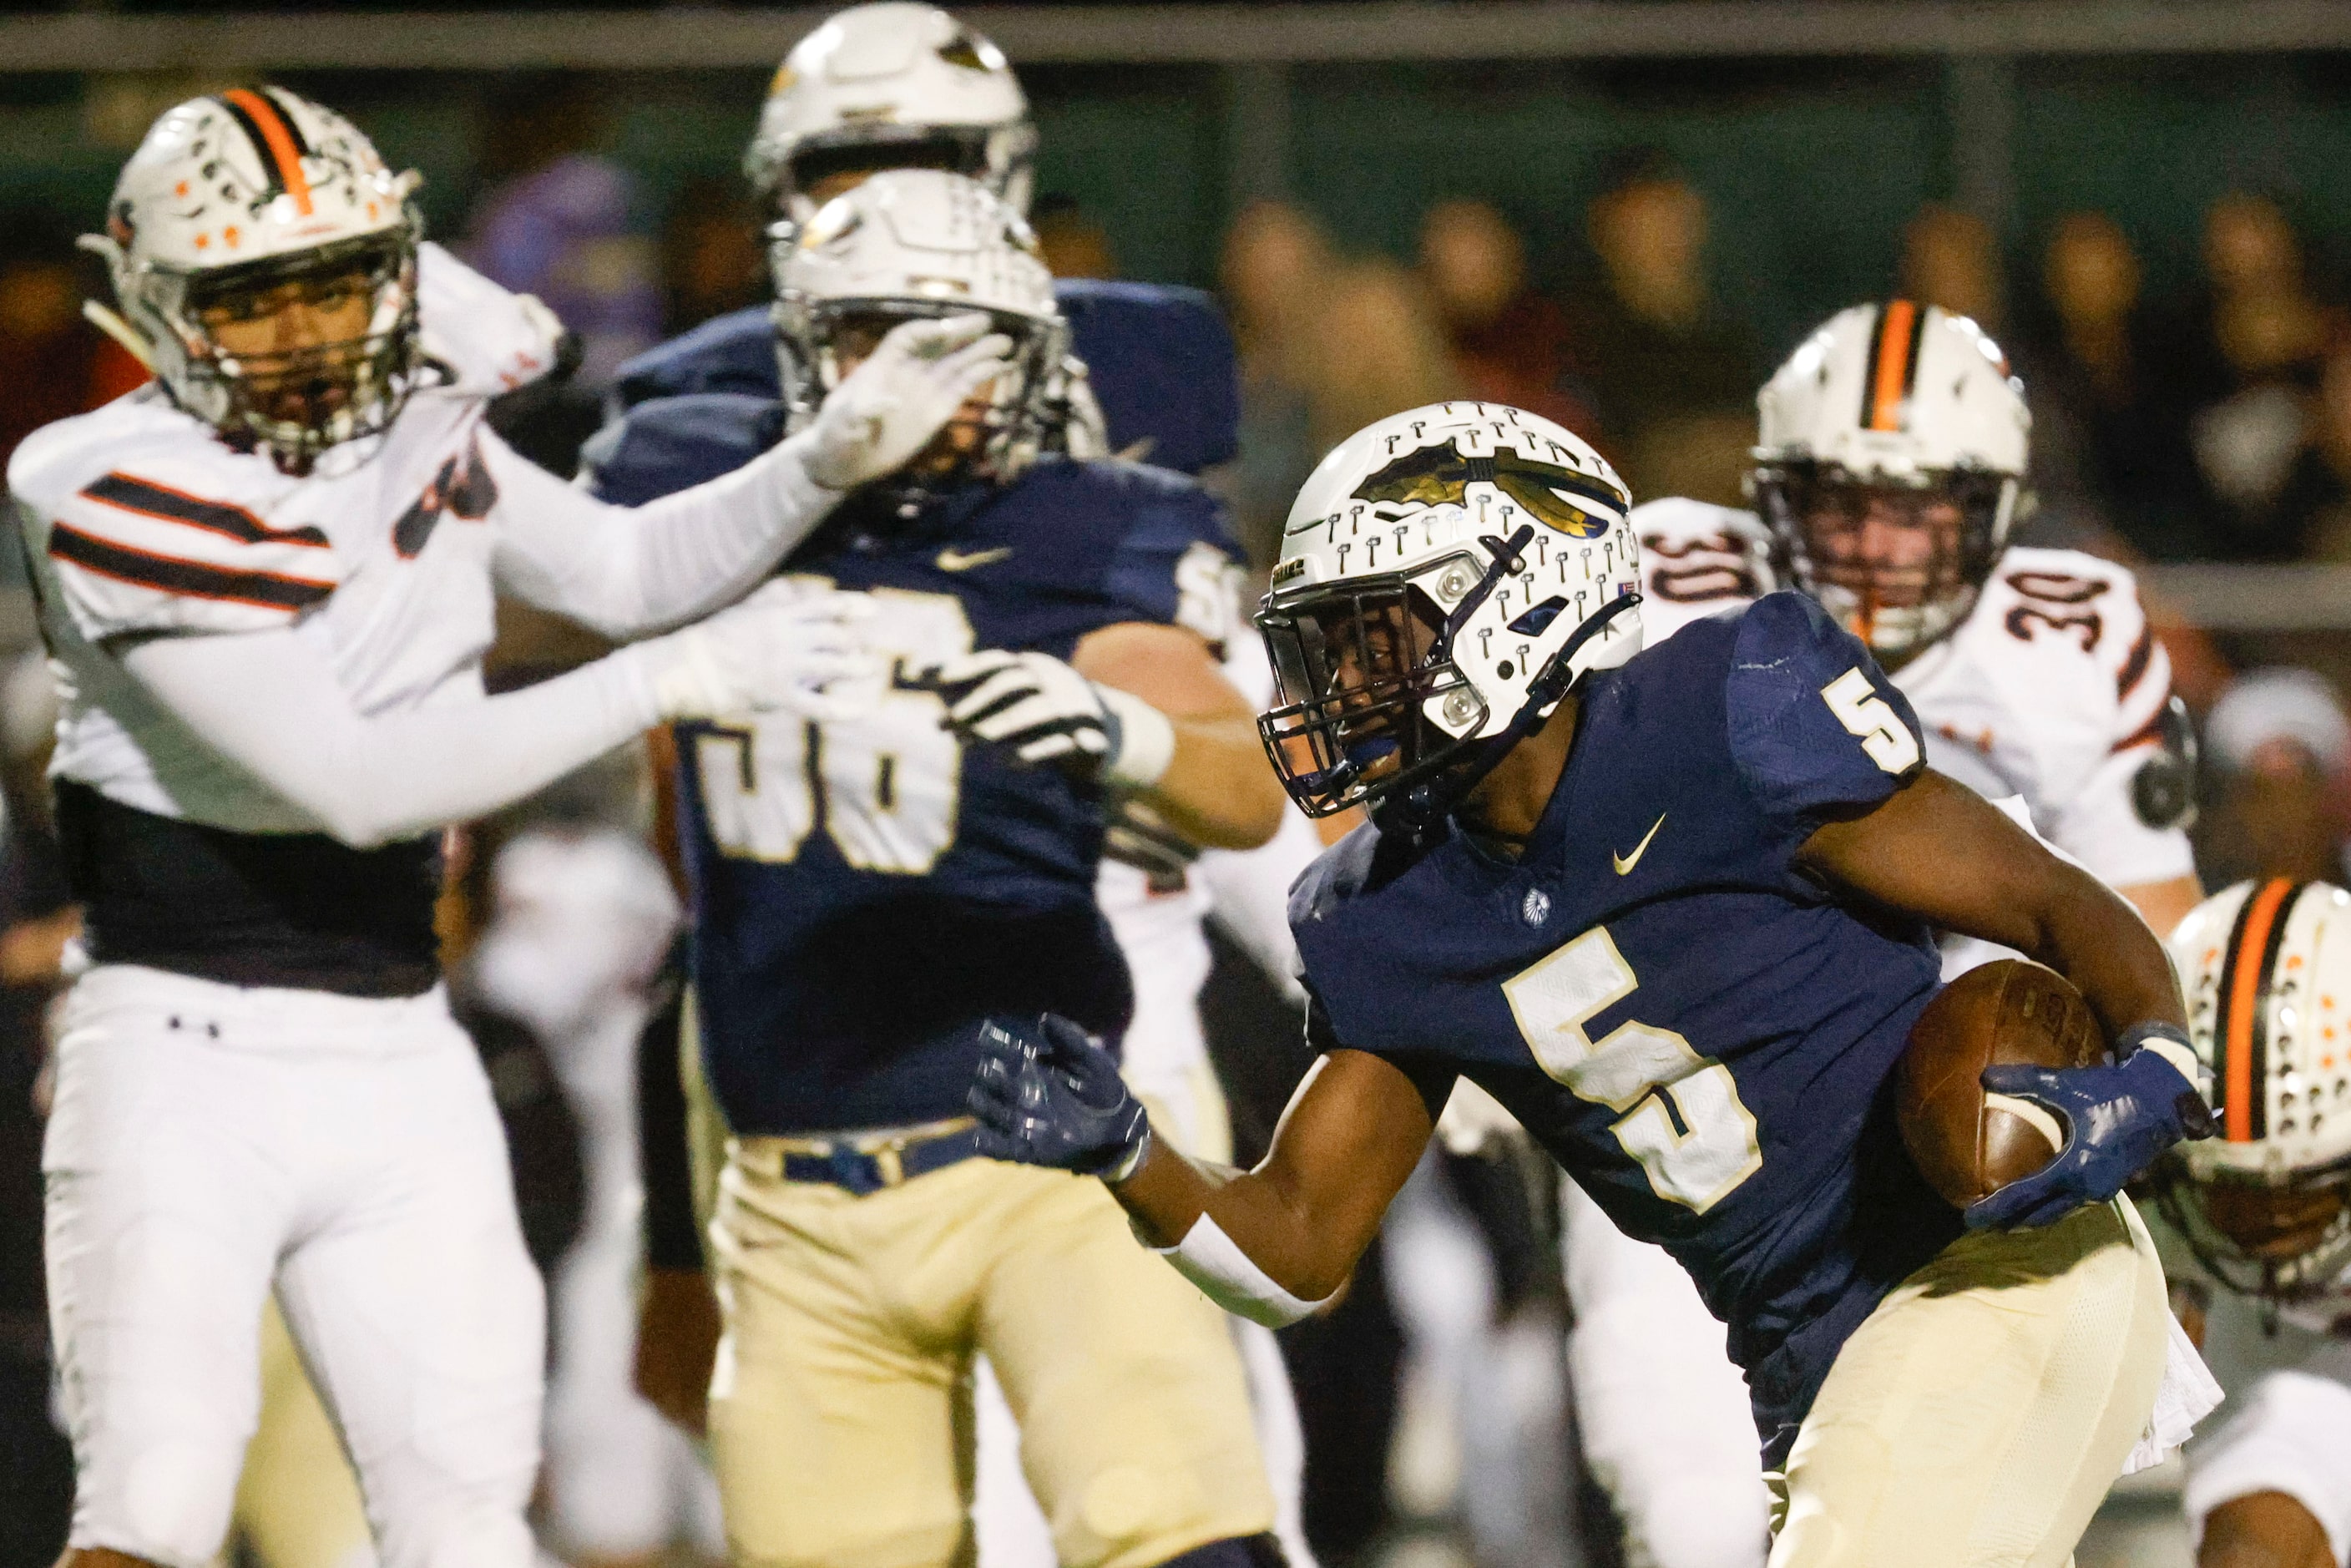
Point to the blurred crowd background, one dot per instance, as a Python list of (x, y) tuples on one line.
[(2161, 244)]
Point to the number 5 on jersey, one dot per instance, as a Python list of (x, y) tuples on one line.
[(1883, 735), (1697, 1149)]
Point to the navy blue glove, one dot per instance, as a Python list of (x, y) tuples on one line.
[(2118, 1120), (1047, 1095)]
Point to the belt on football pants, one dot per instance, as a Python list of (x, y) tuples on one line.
[(862, 1163)]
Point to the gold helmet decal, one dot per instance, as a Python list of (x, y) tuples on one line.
[(1439, 475)]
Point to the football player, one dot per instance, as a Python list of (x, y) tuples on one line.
[(2266, 1209), (866, 892), (265, 583), (1152, 376), (1674, 911), (1893, 446)]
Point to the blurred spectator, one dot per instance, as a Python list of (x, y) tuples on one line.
[(2257, 346), (2279, 742), (1276, 264), (1950, 260), (2110, 446), (1380, 351), (561, 221), (714, 256), (1509, 342), (57, 364), (1074, 244), (1675, 379)]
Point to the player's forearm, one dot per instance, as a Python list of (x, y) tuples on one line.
[(2089, 934), (627, 571), (1302, 1257), (267, 703), (1217, 790)]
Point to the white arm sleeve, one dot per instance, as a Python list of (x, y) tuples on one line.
[(628, 570), (1226, 1275), (269, 702)]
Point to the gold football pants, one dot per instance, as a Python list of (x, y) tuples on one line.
[(841, 1416), (1978, 1416)]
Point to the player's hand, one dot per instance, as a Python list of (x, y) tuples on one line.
[(1047, 712), (678, 1328), (1047, 1095), (790, 646), (888, 408), (2118, 1120)]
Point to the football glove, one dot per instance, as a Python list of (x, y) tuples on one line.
[(888, 408), (1047, 1095), (790, 646), (2118, 1120), (1047, 712)]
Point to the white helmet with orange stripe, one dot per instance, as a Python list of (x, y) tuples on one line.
[(266, 260), (1890, 451), (2266, 968)]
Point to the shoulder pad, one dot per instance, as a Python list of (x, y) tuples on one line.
[(731, 353), (675, 443), (1161, 362), (1334, 877), (1814, 725), (1697, 559)]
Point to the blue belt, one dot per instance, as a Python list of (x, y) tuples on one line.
[(871, 1162)]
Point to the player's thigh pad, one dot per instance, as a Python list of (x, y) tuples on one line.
[(2291, 1434), (416, 1305), (1663, 1412), (839, 1404), (1978, 1416), (1135, 1429), (167, 1204)]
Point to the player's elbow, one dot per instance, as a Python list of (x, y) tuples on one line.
[(1242, 813)]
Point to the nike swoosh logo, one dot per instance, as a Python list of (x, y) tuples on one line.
[(958, 560), (1625, 863)]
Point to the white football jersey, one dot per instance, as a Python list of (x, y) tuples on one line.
[(2052, 689), (141, 521)]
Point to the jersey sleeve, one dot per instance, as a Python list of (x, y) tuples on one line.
[(134, 553), (1176, 562), (488, 340), (1697, 560), (2127, 822), (1816, 729), (1432, 1076)]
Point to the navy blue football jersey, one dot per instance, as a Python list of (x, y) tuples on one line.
[(1159, 358), (866, 892), (1702, 1035)]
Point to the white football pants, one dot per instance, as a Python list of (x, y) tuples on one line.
[(211, 1143)]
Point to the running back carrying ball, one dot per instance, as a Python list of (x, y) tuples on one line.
[(1968, 1142)]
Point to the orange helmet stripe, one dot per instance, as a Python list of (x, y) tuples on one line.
[(2241, 1008), (278, 141), (1890, 376)]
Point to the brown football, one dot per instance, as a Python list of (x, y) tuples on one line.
[(1965, 1144)]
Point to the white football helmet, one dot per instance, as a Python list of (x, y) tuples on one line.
[(257, 195), (1445, 575), (2266, 970), (890, 86), (918, 242), (1903, 416)]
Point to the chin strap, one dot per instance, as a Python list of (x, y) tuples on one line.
[(1416, 807)]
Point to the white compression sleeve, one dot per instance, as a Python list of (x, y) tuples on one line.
[(1214, 1261), (628, 570), (269, 702)]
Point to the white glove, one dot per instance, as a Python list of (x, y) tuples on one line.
[(790, 646), (1047, 712), (890, 407)]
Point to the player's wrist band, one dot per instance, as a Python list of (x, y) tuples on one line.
[(1214, 1261), (1142, 740)]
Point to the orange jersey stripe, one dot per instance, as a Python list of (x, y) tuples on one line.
[(282, 150), (1893, 367), (2240, 1004)]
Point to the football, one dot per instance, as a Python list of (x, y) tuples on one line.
[(1969, 1144)]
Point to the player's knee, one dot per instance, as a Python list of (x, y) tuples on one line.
[(1233, 1551), (168, 1504)]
